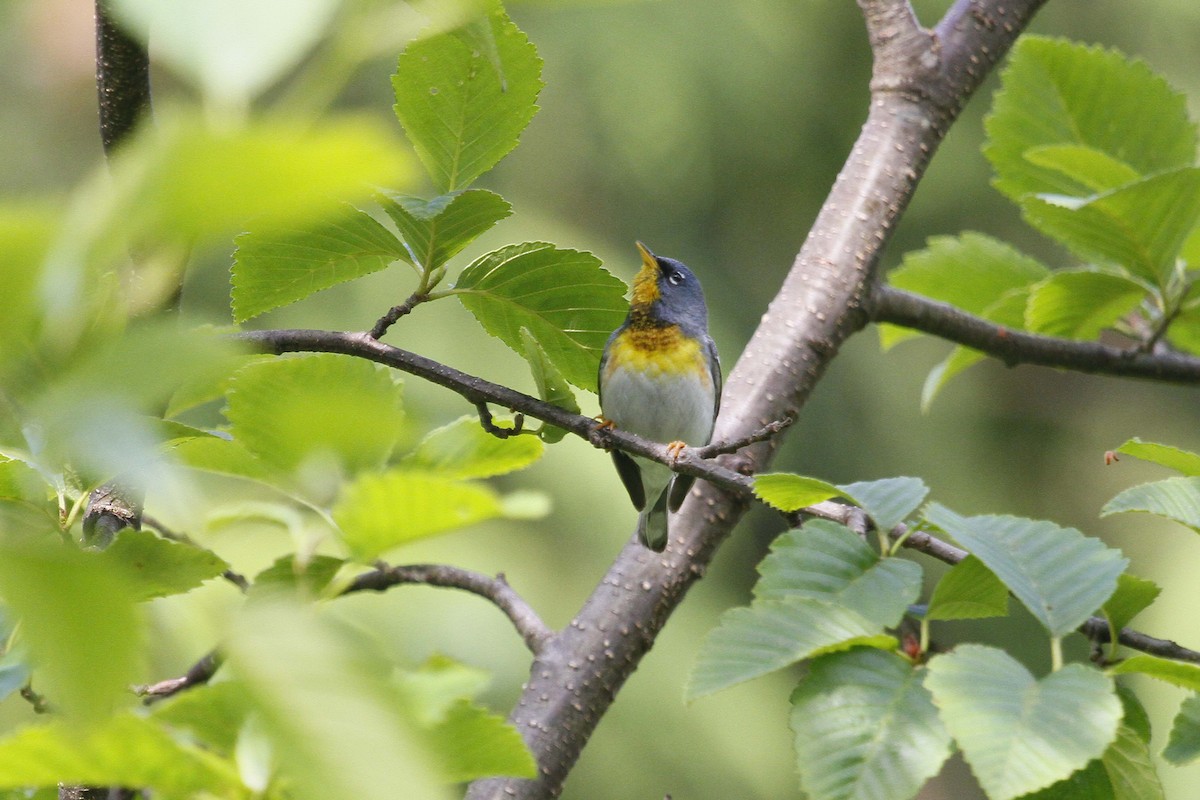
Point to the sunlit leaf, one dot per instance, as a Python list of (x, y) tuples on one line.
[(463, 449), (888, 501), (1177, 673), (437, 229), (788, 492), (1018, 733), (564, 298), (1183, 461), (1060, 575), (825, 561), (380, 511), (865, 728), (472, 742), (753, 641), (462, 110), (1079, 304), (968, 591), (1091, 168), (1184, 744), (1174, 498), (282, 266), (157, 567), (1058, 93)]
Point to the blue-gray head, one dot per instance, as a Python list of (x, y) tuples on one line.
[(667, 292)]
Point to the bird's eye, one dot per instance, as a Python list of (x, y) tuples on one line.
[(675, 278)]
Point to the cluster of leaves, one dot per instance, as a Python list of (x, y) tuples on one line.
[(1100, 155), (97, 385), (877, 717)]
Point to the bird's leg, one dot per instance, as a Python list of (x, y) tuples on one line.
[(676, 449)]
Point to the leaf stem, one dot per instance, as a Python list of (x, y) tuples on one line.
[(1056, 657)]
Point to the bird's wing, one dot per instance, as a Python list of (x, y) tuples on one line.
[(631, 476)]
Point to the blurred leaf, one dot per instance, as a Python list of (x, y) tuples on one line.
[(1133, 596), (13, 677), (552, 386), (430, 691), (1180, 460), (787, 492), (1184, 743), (213, 713), (290, 574), (1060, 575), (122, 751), (752, 641), (26, 232), (316, 406), (1090, 168), (232, 50), (1174, 498), (865, 728), (968, 591), (1020, 734), (1056, 92), (79, 620), (1140, 226), (436, 230), (224, 457), (825, 561), (1136, 718), (157, 567), (971, 272), (1089, 783), (1130, 767), (379, 512), (327, 705), (463, 449), (285, 265), (563, 297), (461, 113), (472, 742), (888, 501), (1079, 304), (1177, 673)]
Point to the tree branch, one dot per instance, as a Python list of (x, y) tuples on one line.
[(520, 613), (888, 304), (122, 79)]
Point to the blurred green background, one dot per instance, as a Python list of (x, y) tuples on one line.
[(711, 131)]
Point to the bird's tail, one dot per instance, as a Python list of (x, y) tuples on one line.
[(652, 525)]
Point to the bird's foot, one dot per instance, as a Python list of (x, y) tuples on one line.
[(676, 449)]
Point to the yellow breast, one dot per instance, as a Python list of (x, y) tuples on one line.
[(657, 349)]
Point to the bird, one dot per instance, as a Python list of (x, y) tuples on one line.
[(660, 378)]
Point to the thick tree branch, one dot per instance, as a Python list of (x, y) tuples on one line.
[(520, 613), (899, 307), (122, 79)]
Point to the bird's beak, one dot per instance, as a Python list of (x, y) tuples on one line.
[(648, 259), (645, 283)]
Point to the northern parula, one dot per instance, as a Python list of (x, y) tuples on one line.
[(660, 378)]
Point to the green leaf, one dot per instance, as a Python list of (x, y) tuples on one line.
[(1140, 226), (788, 492), (1165, 455), (80, 622), (292, 575), (379, 512), (224, 457), (213, 713), (463, 449), (474, 743), (431, 690), (1089, 783), (1055, 93), (1174, 498), (770, 635), (1133, 595), (285, 265), (1177, 673), (1018, 733), (1090, 168), (865, 727), (324, 696), (888, 501), (436, 230), (1060, 575), (552, 386), (122, 751), (1184, 744), (462, 111), (970, 272), (825, 561), (1079, 304), (232, 50), (1130, 767), (157, 567), (968, 591), (291, 410), (26, 233), (563, 297)]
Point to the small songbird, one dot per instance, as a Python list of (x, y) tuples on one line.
[(660, 378)]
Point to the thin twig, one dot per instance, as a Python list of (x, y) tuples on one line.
[(489, 425), (527, 622), (38, 701), (732, 446), (910, 310), (199, 674), (396, 312)]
